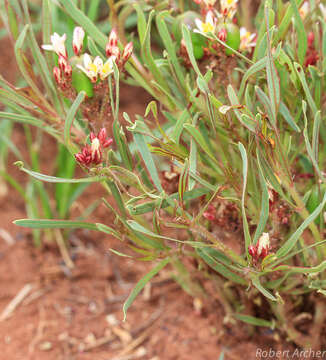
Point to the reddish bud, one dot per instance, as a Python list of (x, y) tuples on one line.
[(252, 251), (113, 38), (84, 157), (311, 39), (57, 75), (68, 71), (93, 153), (222, 34), (78, 38), (311, 58), (112, 45), (210, 214), (127, 51), (62, 62)]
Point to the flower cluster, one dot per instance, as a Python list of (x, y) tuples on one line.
[(92, 154), (216, 21), (95, 69), (261, 249)]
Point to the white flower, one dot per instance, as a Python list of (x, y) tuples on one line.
[(107, 68), (208, 25), (96, 68), (91, 68), (247, 39), (323, 10), (77, 39), (304, 9), (57, 44), (263, 244), (228, 8)]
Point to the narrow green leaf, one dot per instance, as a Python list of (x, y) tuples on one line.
[(53, 179), (264, 209), (69, 121), (84, 21), (244, 216), (254, 320), (148, 159), (140, 285), (290, 243), (302, 35), (273, 81), (258, 286)]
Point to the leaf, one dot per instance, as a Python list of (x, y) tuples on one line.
[(140, 285), (250, 125), (300, 72), (64, 224), (190, 50), (258, 286), (53, 179), (219, 267), (286, 21), (256, 67), (139, 228), (119, 253), (169, 46), (69, 120), (151, 205), (302, 36), (84, 22), (200, 140), (290, 243), (148, 160), (284, 111), (255, 321), (312, 153), (244, 216), (264, 208), (273, 81)]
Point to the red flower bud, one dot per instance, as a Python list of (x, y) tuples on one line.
[(113, 38), (93, 153), (311, 39), (252, 251), (112, 45), (57, 75), (127, 51), (68, 71), (222, 34), (62, 62), (78, 38)]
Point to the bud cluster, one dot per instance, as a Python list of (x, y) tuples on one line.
[(92, 154), (112, 49)]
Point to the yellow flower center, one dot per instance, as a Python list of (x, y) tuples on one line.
[(92, 67), (106, 68), (207, 27)]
